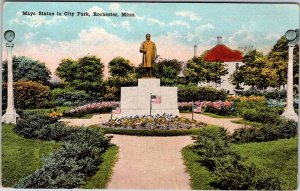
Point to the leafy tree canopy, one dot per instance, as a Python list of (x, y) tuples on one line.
[(83, 74), (167, 70), (257, 71), (27, 69), (199, 70), (120, 66), (279, 57)]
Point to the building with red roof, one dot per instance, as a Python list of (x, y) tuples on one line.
[(231, 58)]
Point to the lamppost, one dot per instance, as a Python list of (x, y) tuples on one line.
[(293, 37), (10, 116)]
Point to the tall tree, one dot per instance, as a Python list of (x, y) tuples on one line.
[(199, 70), (167, 70), (27, 69), (257, 71), (83, 74), (279, 57), (120, 66)]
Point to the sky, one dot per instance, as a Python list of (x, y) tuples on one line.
[(174, 27)]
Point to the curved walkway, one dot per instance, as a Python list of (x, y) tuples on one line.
[(224, 122), (150, 163)]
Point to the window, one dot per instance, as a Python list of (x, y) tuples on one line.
[(237, 65)]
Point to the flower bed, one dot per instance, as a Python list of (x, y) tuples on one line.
[(157, 122), (101, 107), (217, 107)]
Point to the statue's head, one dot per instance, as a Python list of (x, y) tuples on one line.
[(148, 36)]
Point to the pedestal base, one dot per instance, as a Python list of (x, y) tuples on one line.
[(10, 118), (135, 101), (290, 115)]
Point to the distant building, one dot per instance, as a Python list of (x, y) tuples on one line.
[(232, 59)]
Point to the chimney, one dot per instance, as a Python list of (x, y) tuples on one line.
[(195, 50), (219, 40)]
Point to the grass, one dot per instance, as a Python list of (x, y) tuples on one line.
[(277, 158), (175, 132), (102, 177), (48, 110), (218, 116), (201, 177), (246, 123), (20, 156)]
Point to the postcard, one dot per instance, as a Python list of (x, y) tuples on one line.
[(150, 95)]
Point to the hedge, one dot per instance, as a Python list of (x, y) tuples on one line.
[(69, 166)]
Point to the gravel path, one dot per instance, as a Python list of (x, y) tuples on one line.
[(224, 122), (150, 163)]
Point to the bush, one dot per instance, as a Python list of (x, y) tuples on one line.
[(232, 174), (262, 115), (69, 166), (227, 166), (70, 97), (195, 93), (283, 128), (28, 95), (276, 94)]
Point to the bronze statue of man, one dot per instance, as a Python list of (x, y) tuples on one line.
[(148, 49)]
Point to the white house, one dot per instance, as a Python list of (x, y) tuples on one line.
[(232, 60)]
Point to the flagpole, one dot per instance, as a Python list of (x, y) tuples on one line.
[(192, 110), (150, 103)]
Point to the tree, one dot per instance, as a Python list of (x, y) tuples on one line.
[(199, 70), (27, 69), (167, 71), (120, 66), (122, 75), (257, 71), (279, 57), (83, 74)]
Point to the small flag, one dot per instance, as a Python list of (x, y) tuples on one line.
[(117, 110), (156, 99), (197, 109)]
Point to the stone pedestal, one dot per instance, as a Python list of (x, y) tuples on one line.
[(136, 100)]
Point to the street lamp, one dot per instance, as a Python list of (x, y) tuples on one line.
[(11, 115), (293, 37)]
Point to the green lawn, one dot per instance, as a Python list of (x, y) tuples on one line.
[(20, 156), (201, 177), (277, 158), (102, 177)]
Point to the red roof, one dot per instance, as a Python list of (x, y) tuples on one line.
[(222, 53)]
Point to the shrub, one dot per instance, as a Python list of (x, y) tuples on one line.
[(28, 95), (242, 103), (283, 128), (70, 97), (232, 174), (227, 166), (276, 94), (195, 93), (68, 167), (262, 115)]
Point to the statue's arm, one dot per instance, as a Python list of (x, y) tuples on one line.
[(142, 50)]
